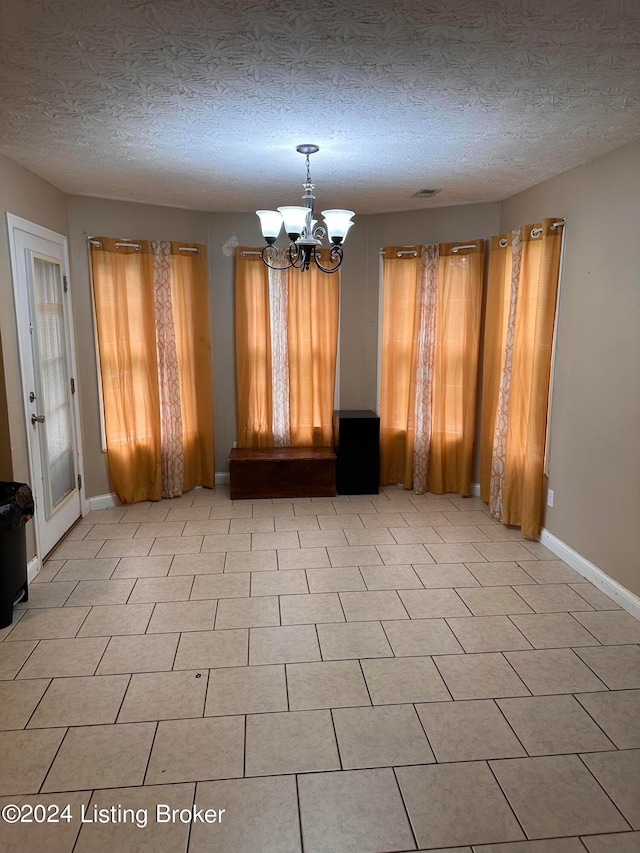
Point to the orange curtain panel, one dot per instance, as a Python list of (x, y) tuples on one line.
[(190, 298), (312, 328), (455, 371), (516, 420), (402, 276), (253, 351), (152, 318), (125, 317)]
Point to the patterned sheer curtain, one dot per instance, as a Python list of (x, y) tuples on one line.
[(152, 321), (521, 305), (432, 299), (286, 350)]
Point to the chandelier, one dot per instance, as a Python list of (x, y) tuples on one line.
[(304, 234)]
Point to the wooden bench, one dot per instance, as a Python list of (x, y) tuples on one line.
[(282, 472)]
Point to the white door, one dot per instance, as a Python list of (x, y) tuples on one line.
[(45, 337)]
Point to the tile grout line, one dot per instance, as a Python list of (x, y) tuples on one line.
[(302, 846), (518, 676), (148, 761), (335, 734), (602, 788), (504, 793), (406, 810), (435, 663), (576, 696), (426, 734), (572, 614), (508, 722)]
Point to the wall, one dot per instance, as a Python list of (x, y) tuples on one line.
[(25, 195), (594, 454), (92, 217)]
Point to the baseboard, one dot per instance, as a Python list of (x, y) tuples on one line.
[(33, 569), (475, 490), (102, 502), (620, 594), (109, 500)]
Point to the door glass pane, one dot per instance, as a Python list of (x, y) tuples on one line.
[(53, 394)]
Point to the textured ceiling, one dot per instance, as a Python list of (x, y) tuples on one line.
[(200, 103)]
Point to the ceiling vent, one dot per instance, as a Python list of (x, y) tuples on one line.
[(424, 193)]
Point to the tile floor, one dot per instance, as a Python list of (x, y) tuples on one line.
[(358, 675)]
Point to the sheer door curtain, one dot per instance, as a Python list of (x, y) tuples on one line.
[(286, 351), (522, 292), (432, 302), (152, 316)]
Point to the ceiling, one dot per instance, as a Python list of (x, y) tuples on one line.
[(201, 103)]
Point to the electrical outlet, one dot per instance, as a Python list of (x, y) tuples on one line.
[(549, 497)]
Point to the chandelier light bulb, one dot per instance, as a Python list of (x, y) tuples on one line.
[(337, 223), (270, 223), (295, 220)]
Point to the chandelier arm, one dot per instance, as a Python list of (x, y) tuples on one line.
[(265, 254), (296, 256), (336, 252)]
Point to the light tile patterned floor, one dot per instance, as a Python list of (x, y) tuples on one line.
[(358, 675)]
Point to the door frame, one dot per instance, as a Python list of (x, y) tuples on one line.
[(21, 305)]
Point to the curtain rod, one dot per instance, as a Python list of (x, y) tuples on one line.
[(137, 246), (401, 252), (249, 252), (414, 252)]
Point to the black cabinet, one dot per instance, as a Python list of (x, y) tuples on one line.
[(356, 438)]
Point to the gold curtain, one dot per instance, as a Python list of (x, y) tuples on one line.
[(520, 419), (254, 403), (312, 331), (312, 339), (125, 317), (432, 301), (400, 332), (455, 373), (125, 303), (190, 299)]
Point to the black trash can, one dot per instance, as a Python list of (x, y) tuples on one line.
[(16, 508)]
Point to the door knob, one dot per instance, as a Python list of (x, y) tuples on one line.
[(37, 419)]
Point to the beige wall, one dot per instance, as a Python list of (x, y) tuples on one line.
[(95, 216), (25, 195), (594, 459)]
